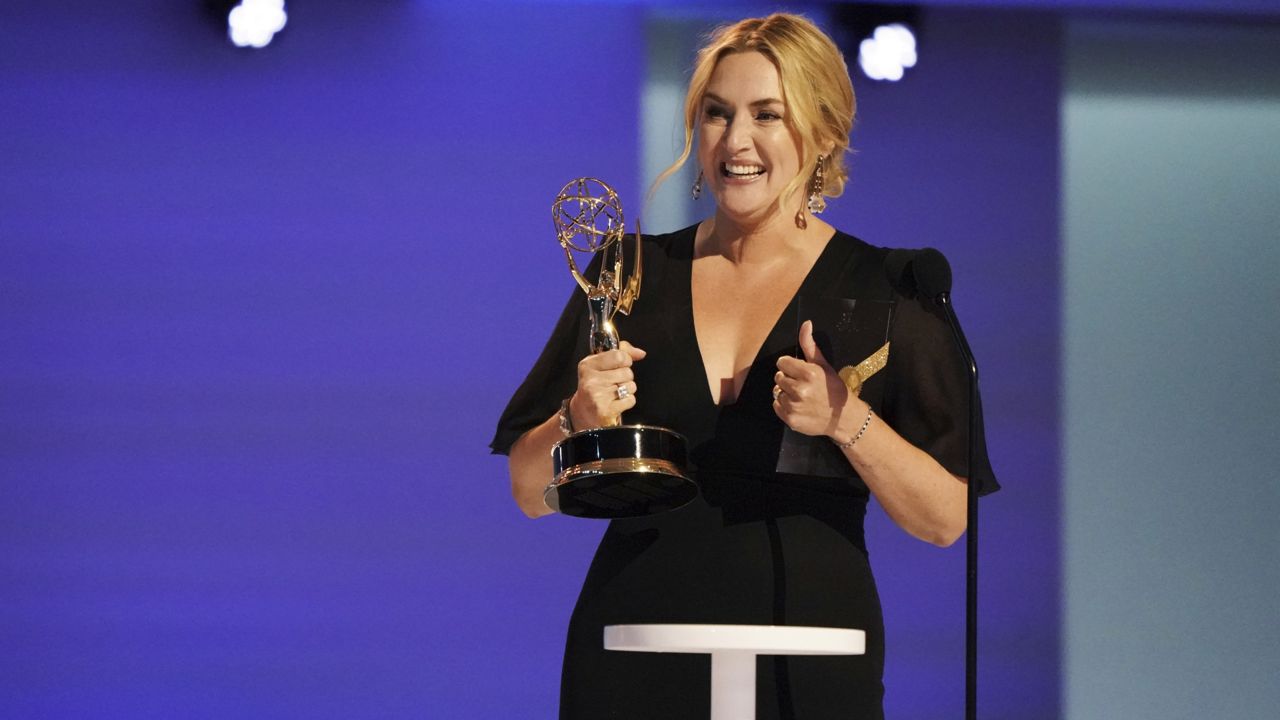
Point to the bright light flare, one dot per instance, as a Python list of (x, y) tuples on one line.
[(253, 23), (888, 53)]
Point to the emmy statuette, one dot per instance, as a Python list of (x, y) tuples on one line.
[(616, 470)]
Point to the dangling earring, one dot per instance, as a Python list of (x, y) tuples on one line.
[(817, 203), (697, 186)]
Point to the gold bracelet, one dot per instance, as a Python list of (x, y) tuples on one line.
[(863, 429)]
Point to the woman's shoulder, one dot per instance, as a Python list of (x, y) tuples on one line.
[(862, 266), (662, 251), (895, 269), (675, 244), (661, 255), (864, 250)]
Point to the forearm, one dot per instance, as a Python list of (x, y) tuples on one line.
[(917, 492), (530, 466)]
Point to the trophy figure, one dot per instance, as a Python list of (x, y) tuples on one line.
[(616, 470)]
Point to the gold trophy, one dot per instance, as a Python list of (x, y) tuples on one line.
[(617, 470)]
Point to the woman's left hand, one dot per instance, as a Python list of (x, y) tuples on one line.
[(808, 394), (919, 494)]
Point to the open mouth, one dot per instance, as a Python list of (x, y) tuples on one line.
[(742, 172)]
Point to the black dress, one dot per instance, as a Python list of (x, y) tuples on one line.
[(758, 547)]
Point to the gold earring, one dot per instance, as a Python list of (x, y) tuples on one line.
[(697, 186), (817, 203)]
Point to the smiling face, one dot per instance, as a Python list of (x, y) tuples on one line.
[(747, 149)]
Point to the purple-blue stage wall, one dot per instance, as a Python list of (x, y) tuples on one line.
[(964, 157), (261, 310)]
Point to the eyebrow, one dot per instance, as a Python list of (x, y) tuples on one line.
[(755, 103)]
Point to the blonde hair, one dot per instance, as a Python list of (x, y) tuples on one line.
[(815, 87)]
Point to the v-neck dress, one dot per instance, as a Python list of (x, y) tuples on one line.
[(757, 547)]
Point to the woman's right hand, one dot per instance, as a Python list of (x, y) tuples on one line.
[(595, 403)]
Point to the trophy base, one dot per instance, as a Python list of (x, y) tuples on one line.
[(618, 472)]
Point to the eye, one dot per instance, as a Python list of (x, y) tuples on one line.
[(768, 116), (716, 112)]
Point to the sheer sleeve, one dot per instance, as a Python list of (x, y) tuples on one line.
[(927, 392), (552, 379)]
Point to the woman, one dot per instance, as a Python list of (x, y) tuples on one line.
[(716, 352)]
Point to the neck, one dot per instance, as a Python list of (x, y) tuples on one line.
[(774, 238)]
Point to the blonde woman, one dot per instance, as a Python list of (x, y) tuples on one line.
[(717, 351)]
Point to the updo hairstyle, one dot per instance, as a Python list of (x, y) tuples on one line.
[(815, 87)]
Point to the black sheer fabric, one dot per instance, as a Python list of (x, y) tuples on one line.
[(552, 379), (758, 546)]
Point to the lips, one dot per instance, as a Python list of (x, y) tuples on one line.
[(744, 171)]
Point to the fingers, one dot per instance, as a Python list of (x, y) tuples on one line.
[(609, 359), (790, 386), (634, 352), (606, 386), (609, 368), (799, 369), (589, 378), (594, 405), (797, 381), (809, 347), (623, 357), (597, 382), (790, 392), (807, 393), (628, 392)]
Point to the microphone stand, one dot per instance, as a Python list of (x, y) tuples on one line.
[(929, 273), (971, 532)]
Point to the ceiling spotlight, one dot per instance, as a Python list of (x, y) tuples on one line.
[(883, 36), (253, 23), (888, 53)]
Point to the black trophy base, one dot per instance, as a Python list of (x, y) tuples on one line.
[(618, 472)]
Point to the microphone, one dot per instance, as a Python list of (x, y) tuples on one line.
[(932, 273)]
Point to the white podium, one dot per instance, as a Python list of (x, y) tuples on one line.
[(733, 650)]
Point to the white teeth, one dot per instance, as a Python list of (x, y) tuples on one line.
[(743, 169)]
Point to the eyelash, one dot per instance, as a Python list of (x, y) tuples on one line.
[(763, 116)]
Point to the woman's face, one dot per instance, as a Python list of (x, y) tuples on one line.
[(746, 148)]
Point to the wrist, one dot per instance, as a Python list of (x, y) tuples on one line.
[(852, 424), (565, 417)]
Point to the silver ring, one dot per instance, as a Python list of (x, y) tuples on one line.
[(777, 392), (622, 392)]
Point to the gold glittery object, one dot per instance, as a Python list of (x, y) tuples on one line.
[(855, 375)]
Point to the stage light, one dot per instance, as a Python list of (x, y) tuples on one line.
[(884, 37), (888, 53), (253, 23)]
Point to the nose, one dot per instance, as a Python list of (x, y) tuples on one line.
[(738, 135)]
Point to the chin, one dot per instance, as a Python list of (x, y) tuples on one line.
[(747, 213)]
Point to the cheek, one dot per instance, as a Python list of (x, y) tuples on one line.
[(708, 137), (793, 144), (709, 134)]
